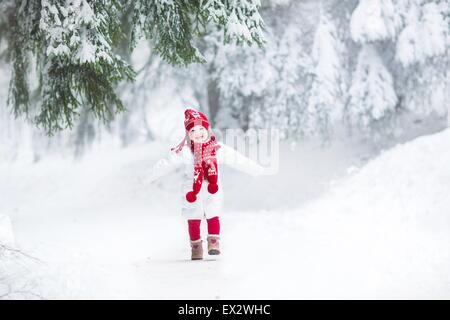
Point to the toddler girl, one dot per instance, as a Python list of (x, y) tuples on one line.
[(202, 194)]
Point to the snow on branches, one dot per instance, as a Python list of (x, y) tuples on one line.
[(425, 35), (374, 20), (173, 25), (372, 97), (326, 92), (74, 45)]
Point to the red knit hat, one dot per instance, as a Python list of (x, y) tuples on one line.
[(193, 117)]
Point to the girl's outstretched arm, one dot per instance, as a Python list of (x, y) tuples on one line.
[(163, 167), (236, 160)]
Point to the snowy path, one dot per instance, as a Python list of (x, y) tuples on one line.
[(102, 235)]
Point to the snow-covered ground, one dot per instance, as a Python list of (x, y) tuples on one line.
[(328, 225)]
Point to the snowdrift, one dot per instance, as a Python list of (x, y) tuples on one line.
[(383, 232)]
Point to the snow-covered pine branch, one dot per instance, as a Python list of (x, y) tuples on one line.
[(174, 25), (74, 45), (426, 34), (78, 65), (374, 20)]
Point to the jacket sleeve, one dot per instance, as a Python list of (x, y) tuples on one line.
[(163, 167), (236, 160)]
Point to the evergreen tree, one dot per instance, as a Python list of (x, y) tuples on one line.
[(288, 92), (423, 49), (296, 83), (426, 35), (413, 35), (242, 77), (372, 97), (269, 87), (326, 92), (374, 20), (74, 43)]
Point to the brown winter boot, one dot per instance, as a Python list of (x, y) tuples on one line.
[(197, 250), (213, 244)]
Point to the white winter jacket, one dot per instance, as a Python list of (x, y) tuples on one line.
[(207, 205)]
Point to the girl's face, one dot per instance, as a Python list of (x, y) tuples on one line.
[(198, 134)]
